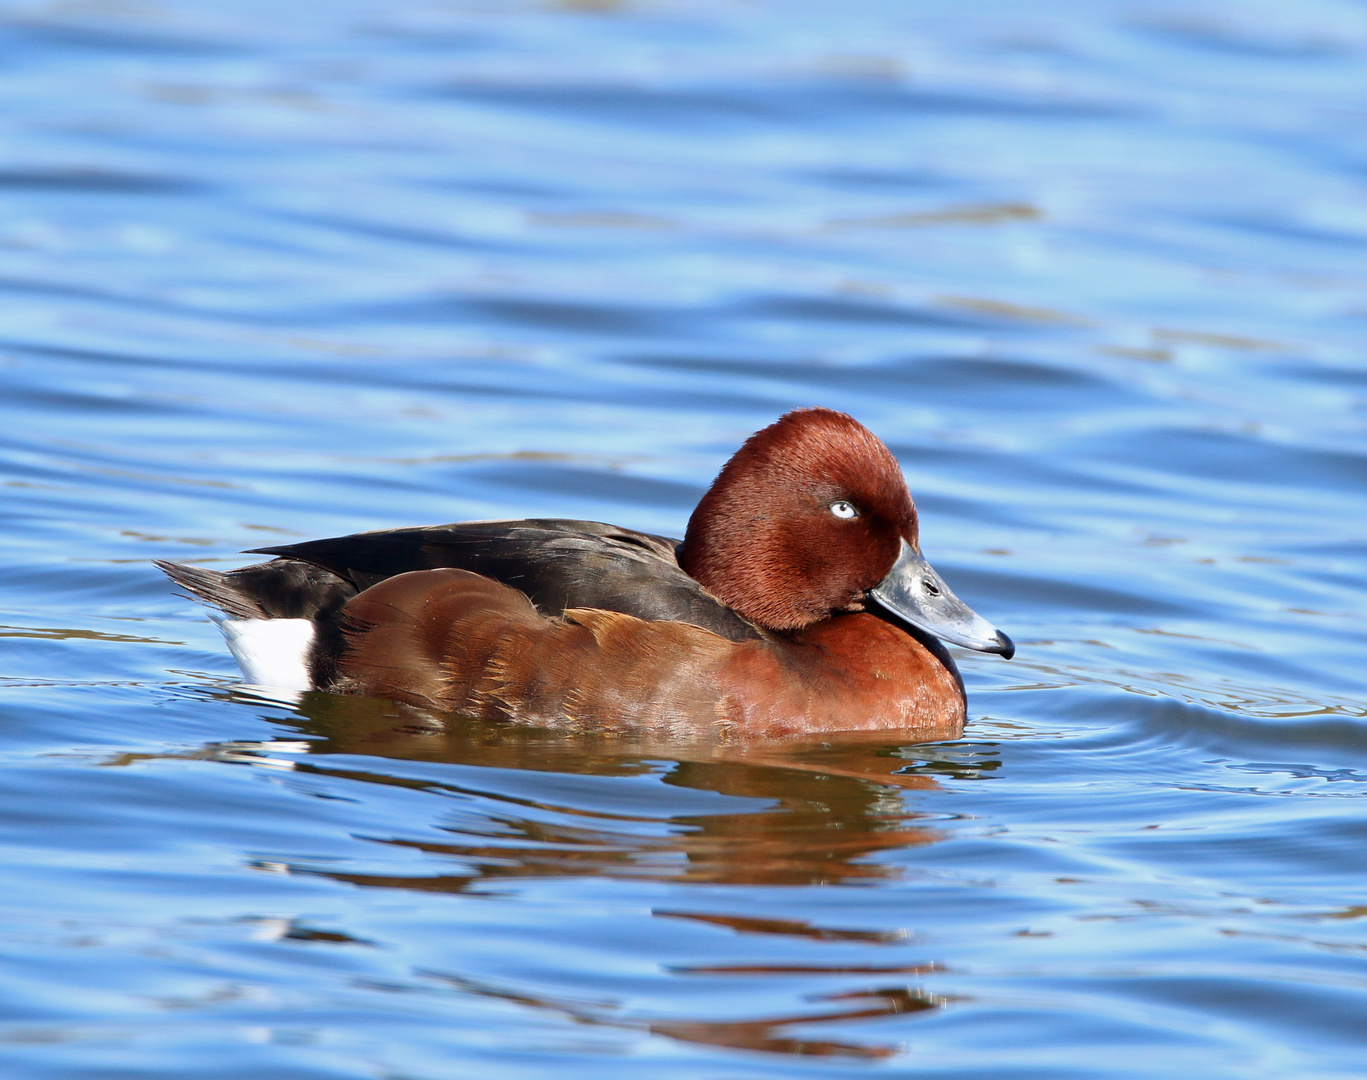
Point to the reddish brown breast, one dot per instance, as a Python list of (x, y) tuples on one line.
[(856, 673)]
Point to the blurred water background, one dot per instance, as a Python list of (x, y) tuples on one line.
[(1097, 272)]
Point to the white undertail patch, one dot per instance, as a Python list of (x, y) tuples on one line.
[(270, 652)]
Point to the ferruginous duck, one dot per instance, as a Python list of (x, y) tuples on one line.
[(797, 603)]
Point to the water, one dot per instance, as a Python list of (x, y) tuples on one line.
[(275, 271)]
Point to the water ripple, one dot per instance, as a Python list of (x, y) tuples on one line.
[(1093, 273)]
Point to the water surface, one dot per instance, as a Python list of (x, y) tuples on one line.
[(1096, 274)]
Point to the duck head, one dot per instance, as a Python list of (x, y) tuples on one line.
[(812, 518)]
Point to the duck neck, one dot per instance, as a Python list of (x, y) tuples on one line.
[(880, 645)]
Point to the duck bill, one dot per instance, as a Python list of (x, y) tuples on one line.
[(915, 592)]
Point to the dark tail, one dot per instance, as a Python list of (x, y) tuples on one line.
[(280, 589)]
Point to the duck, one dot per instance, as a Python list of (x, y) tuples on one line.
[(797, 603)]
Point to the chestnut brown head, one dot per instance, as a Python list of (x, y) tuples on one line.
[(812, 518), (807, 517)]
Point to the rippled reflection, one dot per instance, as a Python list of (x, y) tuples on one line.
[(811, 813), (816, 812), (770, 1034)]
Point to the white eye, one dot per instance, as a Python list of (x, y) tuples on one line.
[(843, 510)]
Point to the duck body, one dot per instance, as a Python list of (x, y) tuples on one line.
[(798, 602)]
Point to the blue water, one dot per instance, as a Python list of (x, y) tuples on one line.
[(1096, 271)]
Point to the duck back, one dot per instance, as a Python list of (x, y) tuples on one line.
[(557, 563)]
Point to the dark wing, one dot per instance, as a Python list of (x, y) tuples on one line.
[(559, 564)]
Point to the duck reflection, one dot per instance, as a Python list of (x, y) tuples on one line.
[(817, 812), (767, 1034), (804, 813)]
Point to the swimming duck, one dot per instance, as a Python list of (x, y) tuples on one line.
[(798, 602)]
